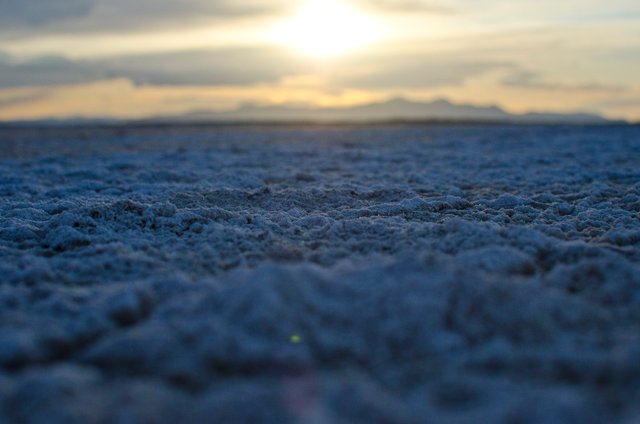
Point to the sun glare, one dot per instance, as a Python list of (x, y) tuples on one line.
[(326, 28)]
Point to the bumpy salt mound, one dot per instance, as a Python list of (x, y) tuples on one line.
[(471, 274)]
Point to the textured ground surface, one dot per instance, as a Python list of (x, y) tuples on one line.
[(380, 275)]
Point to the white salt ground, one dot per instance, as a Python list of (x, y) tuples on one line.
[(371, 275)]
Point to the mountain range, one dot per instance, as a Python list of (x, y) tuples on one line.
[(397, 109), (393, 110)]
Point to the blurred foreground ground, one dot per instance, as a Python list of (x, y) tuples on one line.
[(320, 275)]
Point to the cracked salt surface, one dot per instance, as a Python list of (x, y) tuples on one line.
[(394, 275)]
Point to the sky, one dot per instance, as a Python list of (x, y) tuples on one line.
[(141, 58)]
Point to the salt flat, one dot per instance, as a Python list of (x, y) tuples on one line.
[(400, 274)]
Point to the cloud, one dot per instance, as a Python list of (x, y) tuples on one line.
[(15, 13), (632, 103), (11, 99), (535, 81), (240, 66), (133, 14), (202, 67), (265, 65), (247, 66), (77, 16), (47, 71), (412, 70)]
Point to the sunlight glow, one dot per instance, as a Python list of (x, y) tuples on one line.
[(326, 28)]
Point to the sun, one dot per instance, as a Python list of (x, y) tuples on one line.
[(326, 28)]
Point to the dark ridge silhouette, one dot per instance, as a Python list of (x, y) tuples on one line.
[(393, 111)]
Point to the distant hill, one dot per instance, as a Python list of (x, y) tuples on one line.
[(393, 110), (397, 109)]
